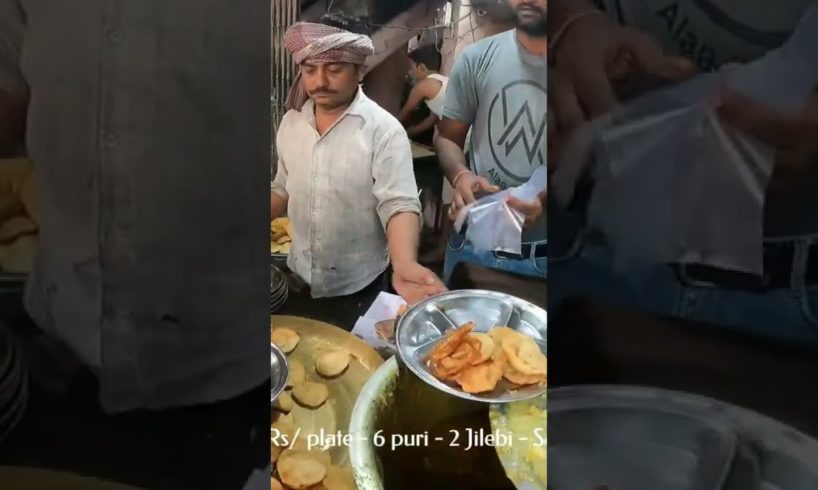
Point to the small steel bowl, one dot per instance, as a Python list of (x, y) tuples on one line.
[(428, 321), (279, 372)]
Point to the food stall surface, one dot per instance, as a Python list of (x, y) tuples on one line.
[(64, 429)]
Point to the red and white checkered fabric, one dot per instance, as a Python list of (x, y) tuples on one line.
[(322, 43)]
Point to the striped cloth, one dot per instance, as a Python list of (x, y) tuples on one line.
[(322, 43)]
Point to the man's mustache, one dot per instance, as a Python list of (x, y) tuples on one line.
[(323, 92), (530, 8)]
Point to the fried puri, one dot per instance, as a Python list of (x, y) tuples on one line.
[(302, 469), (332, 363), (297, 373), (310, 394), (284, 402), (339, 479), (285, 339)]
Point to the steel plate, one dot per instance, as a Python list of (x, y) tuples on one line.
[(645, 438), (425, 323), (279, 371), (334, 415)]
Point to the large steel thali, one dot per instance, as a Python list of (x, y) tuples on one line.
[(640, 438), (334, 415)]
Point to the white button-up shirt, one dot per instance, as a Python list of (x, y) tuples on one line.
[(149, 126), (343, 188)]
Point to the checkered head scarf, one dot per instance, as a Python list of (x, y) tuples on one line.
[(322, 43)]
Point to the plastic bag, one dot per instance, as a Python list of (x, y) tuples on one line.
[(493, 224), (676, 184)]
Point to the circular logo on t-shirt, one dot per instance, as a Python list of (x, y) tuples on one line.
[(712, 32), (516, 128)]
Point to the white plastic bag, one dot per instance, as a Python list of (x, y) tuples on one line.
[(676, 184), (493, 224)]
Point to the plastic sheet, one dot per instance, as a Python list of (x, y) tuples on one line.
[(492, 224), (675, 183)]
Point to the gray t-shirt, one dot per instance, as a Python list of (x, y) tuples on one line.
[(500, 88)]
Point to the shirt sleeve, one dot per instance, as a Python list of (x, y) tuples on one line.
[(11, 42), (392, 170), (461, 92), (279, 183)]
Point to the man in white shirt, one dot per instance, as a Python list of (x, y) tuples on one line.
[(147, 125), (144, 219), (345, 175)]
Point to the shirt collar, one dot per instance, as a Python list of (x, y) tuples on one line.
[(359, 107)]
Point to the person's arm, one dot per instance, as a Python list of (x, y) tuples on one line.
[(561, 10), (422, 126), (278, 192), (402, 234), (580, 87), (399, 211), (458, 114), (13, 88), (531, 210), (792, 135), (416, 96), (450, 143)]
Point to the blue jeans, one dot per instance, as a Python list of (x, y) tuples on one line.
[(784, 314), (460, 250)]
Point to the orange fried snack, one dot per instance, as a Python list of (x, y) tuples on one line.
[(450, 342), (486, 345), (521, 379), (482, 377), (478, 361), (465, 354)]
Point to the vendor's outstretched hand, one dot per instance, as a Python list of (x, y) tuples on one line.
[(414, 283), (531, 210)]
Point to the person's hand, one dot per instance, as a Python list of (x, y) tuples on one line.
[(594, 51), (467, 186), (794, 136), (531, 210), (414, 283)]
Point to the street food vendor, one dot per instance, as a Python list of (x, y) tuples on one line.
[(345, 175), (497, 89), (152, 264)]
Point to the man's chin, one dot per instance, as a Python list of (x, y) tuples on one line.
[(536, 28), (326, 103)]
